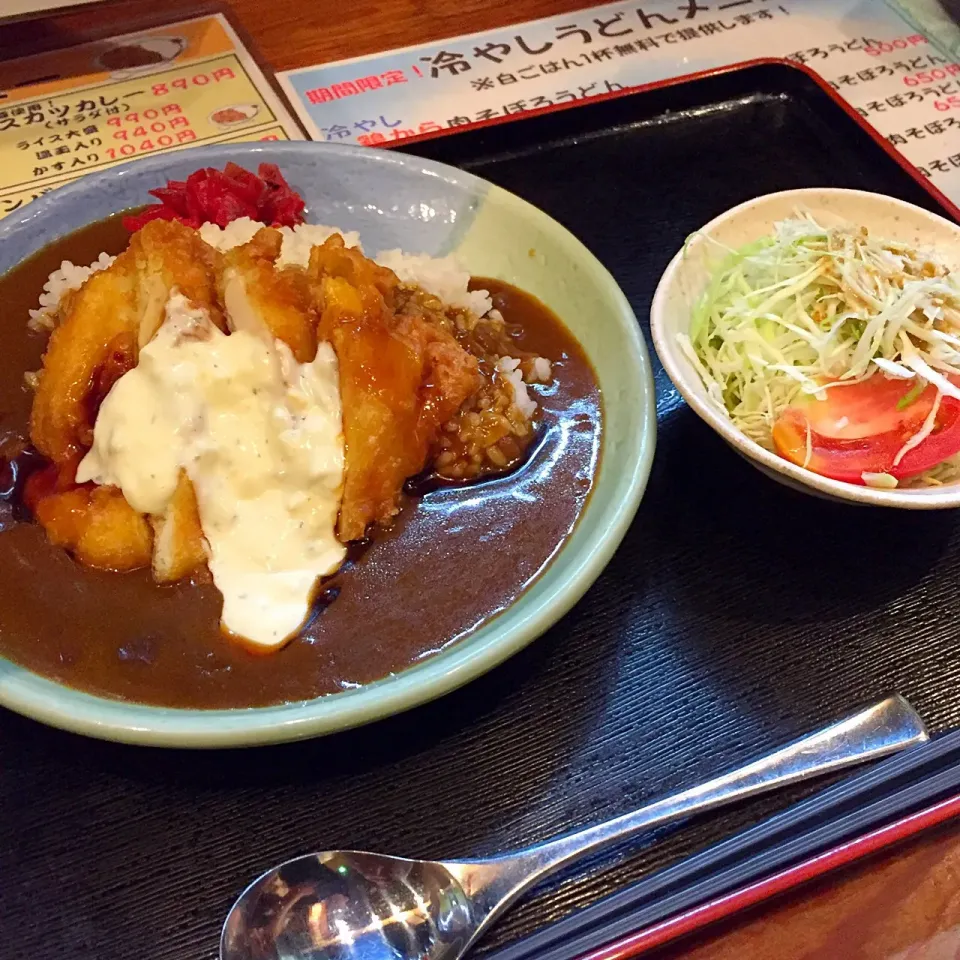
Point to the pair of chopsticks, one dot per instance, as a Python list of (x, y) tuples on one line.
[(864, 802)]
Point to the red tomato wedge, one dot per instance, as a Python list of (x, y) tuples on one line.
[(861, 428), (859, 410)]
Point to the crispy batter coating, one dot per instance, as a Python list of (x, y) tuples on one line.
[(179, 547), (128, 298), (261, 297), (335, 259), (104, 308), (400, 380), (169, 255), (102, 327), (98, 526)]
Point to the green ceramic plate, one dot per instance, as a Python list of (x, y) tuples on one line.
[(394, 201)]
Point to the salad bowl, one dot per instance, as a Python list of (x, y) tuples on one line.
[(689, 272)]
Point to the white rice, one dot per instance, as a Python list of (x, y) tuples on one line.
[(297, 242), (68, 277), (542, 371), (509, 367), (444, 277)]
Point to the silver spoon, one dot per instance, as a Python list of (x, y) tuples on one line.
[(347, 905)]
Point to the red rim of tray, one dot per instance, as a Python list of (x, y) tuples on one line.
[(948, 205), (696, 918)]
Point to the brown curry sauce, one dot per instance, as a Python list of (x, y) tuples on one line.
[(456, 556)]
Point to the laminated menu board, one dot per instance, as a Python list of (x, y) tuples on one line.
[(883, 66), (68, 112)]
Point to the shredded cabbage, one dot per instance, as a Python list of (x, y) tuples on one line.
[(811, 309)]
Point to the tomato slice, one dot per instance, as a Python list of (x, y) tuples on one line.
[(861, 428), (877, 405)]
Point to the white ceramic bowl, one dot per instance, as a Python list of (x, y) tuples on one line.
[(689, 271)]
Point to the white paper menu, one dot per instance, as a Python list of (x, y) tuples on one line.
[(900, 82)]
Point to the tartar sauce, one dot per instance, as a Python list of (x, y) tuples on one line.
[(261, 438)]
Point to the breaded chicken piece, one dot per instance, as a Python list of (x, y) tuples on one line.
[(400, 380), (114, 313), (102, 327), (170, 256), (267, 300), (335, 259), (179, 547), (103, 309), (98, 526)]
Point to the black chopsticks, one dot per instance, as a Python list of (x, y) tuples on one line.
[(893, 788)]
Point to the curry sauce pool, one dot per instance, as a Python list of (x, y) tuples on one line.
[(452, 561)]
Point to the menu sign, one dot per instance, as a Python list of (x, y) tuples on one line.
[(907, 88), (70, 112)]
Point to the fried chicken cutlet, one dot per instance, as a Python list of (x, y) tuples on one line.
[(401, 378), (102, 327)]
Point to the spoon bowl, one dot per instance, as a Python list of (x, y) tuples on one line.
[(348, 904)]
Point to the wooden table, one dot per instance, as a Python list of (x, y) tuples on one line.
[(903, 905), (292, 33)]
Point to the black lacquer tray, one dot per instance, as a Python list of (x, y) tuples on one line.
[(735, 616)]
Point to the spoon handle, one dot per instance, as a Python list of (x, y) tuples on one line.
[(880, 730)]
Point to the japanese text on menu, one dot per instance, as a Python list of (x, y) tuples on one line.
[(89, 122), (894, 78)]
